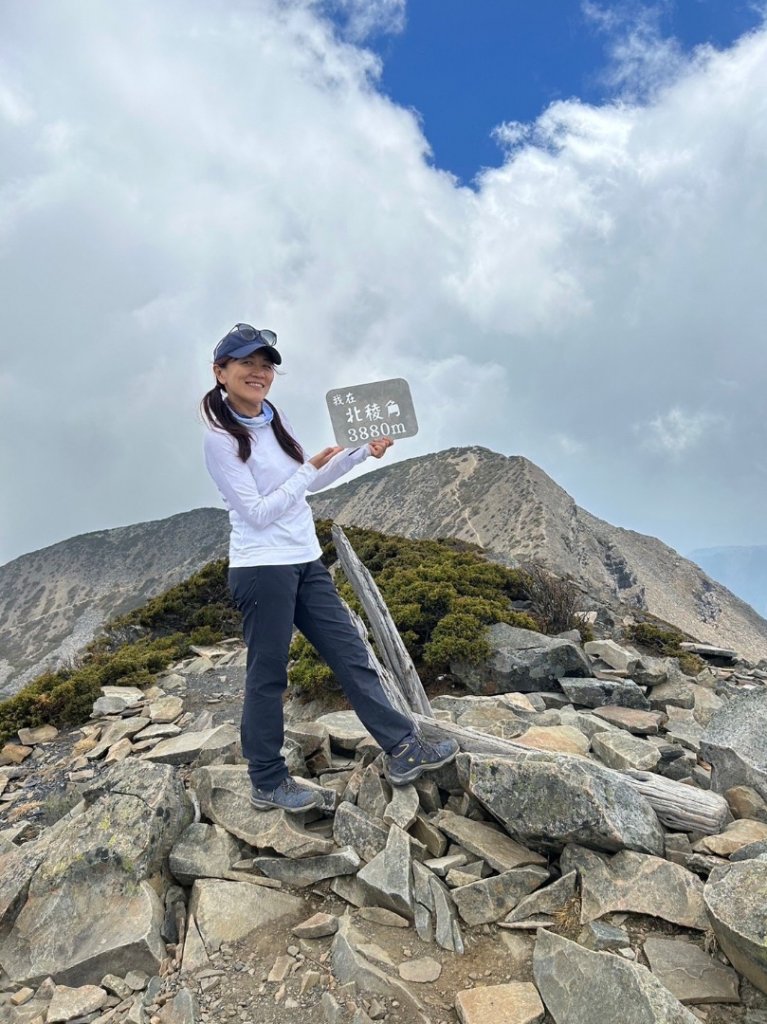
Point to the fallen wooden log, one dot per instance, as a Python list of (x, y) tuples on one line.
[(678, 806), (393, 652)]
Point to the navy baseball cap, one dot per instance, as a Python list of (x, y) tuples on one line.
[(244, 339)]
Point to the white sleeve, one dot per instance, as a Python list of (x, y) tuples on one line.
[(337, 467), (238, 486)]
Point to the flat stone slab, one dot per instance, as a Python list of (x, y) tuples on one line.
[(636, 883), (515, 1003), (492, 898), (499, 850), (317, 927), (68, 1003), (224, 794), (304, 871), (621, 750), (345, 729), (736, 835), (689, 973), (642, 723), (227, 911), (612, 654), (579, 986), (563, 738)]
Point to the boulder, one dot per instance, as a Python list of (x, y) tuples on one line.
[(735, 744), (60, 893), (523, 661), (636, 883), (736, 835), (345, 729), (643, 723), (582, 987), (353, 827), (550, 800), (735, 898), (563, 738)]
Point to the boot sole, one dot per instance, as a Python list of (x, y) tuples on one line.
[(416, 773)]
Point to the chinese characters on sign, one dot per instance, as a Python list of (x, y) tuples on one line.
[(368, 411)]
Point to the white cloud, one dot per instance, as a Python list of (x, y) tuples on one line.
[(677, 431), (186, 165), (364, 18)]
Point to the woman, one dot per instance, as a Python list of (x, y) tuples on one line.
[(276, 577)]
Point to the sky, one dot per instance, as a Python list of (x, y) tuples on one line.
[(551, 219)]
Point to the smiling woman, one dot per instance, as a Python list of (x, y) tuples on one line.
[(277, 578)]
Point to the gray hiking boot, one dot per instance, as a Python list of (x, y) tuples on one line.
[(411, 758), (288, 796)]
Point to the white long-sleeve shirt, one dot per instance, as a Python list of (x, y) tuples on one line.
[(270, 518)]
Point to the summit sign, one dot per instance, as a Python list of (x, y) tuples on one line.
[(367, 412)]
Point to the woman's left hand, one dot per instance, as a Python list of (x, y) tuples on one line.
[(377, 448)]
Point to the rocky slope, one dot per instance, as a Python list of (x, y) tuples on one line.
[(742, 568), (510, 506), (53, 601), (530, 886)]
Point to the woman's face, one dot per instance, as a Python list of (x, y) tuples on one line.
[(248, 380)]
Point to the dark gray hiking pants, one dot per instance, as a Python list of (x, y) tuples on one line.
[(272, 598)]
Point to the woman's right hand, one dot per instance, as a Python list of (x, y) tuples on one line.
[(322, 458)]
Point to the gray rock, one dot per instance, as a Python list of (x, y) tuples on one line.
[(735, 898), (603, 937), (621, 750), (582, 987), (203, 851), (735, 744), (115, 732), (612, 654), (499, 850), (552, 800), (522, 661), (58, 892), (643, 723), (345, 729), (187, 747), (387, 879), (547, 902), (447, 931), (228, 911), (308, 870), (678, 693), (67, 1003), (353, 827), (350, 965), (637, 883), (514, 1003), (492, 898), (432, 838), (690, 974), (374, 793), (595, 693), (317, 927), (224, 795), (745, 802), (402, 808)]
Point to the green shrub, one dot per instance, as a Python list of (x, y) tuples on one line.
[(665, 641), (441, 595), (130, 651)]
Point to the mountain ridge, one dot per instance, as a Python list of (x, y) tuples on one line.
[(53, 601)]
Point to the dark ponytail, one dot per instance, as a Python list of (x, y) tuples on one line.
[(219, 417)]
